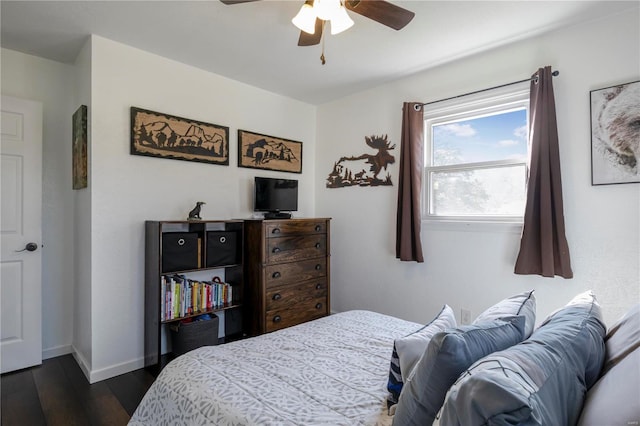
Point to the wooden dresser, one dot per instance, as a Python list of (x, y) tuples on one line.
[(287, 272)]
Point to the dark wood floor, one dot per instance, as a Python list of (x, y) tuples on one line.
[(58, 393)]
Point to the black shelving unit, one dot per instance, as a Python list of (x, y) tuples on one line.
[(190, 248)]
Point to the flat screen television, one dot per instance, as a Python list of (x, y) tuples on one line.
[(276, 197)]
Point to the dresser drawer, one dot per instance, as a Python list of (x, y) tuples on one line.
[(294, 272), (288, 249), (292, 295), (304, 311), (277, 228)]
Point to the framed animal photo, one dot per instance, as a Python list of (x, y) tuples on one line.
[(156, 134), (258, 151), (615, 134)]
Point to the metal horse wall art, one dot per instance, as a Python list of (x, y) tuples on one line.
[(364, 169)]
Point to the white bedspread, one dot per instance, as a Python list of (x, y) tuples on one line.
[(331, 371)]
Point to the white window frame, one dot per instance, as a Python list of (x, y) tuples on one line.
[(472, 106)]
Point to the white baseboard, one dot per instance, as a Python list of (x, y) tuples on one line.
[(57, 351), (115, 370), (94, 376), (82, 362)]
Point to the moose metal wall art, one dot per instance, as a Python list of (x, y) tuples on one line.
[(364, 170)]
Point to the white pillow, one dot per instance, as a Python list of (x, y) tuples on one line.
[(613, 400), (622, 338)]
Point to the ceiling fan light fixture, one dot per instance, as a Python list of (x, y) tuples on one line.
[(305, 20), (341, 21), (326, 9)]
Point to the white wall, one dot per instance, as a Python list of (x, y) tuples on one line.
[(49, 82), (82, 308), (126, 190), (472, 266)]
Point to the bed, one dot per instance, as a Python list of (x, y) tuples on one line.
[(340, 370), (331, 371)]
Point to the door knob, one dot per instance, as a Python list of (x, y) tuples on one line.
[(29, 247)]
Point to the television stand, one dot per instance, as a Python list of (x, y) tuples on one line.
[(277, 215)]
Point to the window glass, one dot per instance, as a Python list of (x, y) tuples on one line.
[(498, 136), (475, 192), (476, 155)]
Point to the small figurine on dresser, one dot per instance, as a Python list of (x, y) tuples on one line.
[(194, 214)]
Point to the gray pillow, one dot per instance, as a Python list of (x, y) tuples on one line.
[(521, 304), (541, 381), (408, 350), (448, 354), (622, 338), (615, 398)]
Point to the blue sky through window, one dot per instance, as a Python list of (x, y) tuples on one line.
[(494, 137)]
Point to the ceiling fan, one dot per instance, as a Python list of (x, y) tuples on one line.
[(380, 11)]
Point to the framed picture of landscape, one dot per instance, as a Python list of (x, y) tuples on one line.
[(79, 148), (162, 135), (258, 151)]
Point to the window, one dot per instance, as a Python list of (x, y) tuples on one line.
[(476, 156)]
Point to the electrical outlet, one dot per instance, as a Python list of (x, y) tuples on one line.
[(465, 316)]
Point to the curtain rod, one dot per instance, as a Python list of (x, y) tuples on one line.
[(417, 106)]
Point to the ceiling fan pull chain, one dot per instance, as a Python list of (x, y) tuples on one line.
[(322, 54)]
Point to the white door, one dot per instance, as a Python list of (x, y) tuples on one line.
[(21, 224)]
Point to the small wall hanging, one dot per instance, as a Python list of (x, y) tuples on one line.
[(79, 148), (258, 151), (364, 169), (156, 134), (615, 134)]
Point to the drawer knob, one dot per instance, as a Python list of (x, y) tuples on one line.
[(317, 245), (318, 286), (276, 250), (318, 228), (276, 275), (277, 296), (277, 318), (318, 305), (318, 267), (275, 231)]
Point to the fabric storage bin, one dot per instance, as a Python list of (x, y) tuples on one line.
[(232, 323), (180, 251), (223, 248), (187, 336)]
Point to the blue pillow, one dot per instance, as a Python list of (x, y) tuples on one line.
[(408, 350), (520, 304), (542, 381), (450, 353)]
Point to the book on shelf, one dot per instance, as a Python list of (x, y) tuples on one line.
[(181, 296), (163, 298), (199, 252)]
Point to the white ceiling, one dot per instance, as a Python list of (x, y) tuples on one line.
[(256, 43)]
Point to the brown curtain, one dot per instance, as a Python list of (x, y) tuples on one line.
[(543, 246), (408, 244)]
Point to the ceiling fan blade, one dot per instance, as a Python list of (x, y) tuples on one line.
[(381, 11), (307, 39), (230, 2)]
